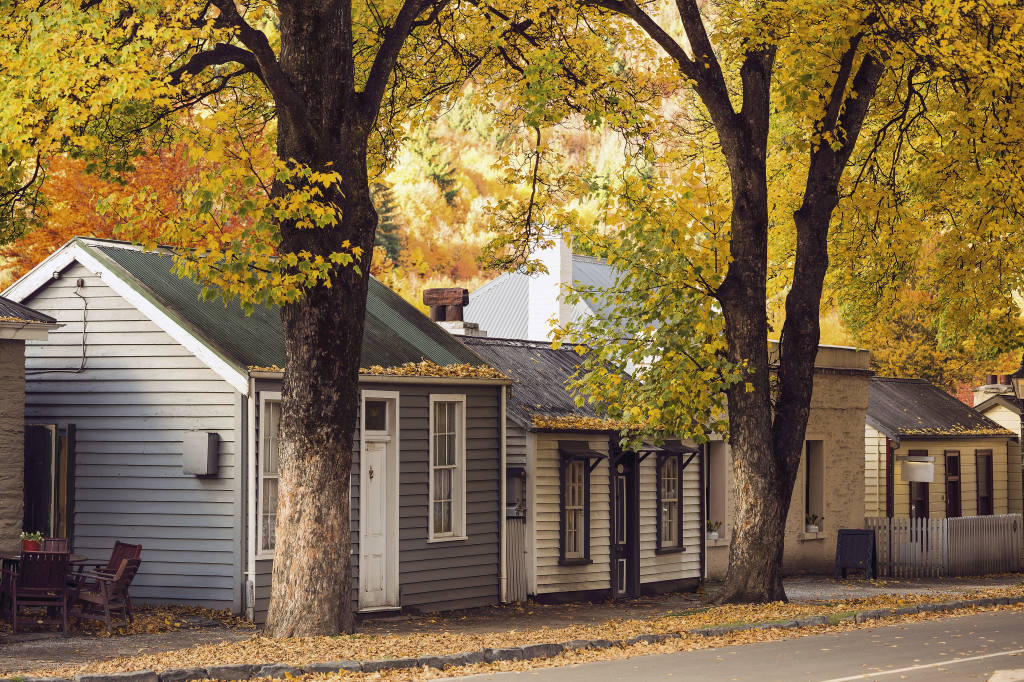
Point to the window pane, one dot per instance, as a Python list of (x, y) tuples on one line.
[(983, 482), (376, 415), (270, 427), (269, 516)]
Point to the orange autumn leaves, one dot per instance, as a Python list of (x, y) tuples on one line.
[(73, 205)]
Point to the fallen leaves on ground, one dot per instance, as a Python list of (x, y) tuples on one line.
[(300, 651), (149, 620)]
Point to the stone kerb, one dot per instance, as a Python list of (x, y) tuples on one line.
[(229, 673)]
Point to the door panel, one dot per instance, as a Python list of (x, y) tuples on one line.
[(373, 563), (40, 470), (625, 527)]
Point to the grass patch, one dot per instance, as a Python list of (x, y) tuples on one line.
[(834, 618), (691, 612)]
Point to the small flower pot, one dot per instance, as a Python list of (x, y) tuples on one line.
[(30, 545), (810, 529), (713, 536)]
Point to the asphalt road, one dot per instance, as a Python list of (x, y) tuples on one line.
[(970, 647)]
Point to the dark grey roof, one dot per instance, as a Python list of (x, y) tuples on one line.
[(539, 374), (10, 310), (914, 408), (502, 306), (396, 332)]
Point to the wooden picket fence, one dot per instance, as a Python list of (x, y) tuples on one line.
[(970, 545), (910, 548)]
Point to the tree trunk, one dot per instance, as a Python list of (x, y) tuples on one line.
[(764, 488), (323, 332)]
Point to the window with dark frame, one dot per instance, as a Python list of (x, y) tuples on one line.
[(954, 506), (670, 521), (984, 463), (575, 510)]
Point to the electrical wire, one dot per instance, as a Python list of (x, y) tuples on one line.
[(85, 312)]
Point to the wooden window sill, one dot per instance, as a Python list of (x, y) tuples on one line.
[(669, 550), (820, 535), (575, 562), (720, 542), (455, 538)]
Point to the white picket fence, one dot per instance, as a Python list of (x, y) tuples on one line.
[(970, 545)]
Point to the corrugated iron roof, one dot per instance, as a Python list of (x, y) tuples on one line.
[(396, 332), (540, 375), (502, 306), (916, 408), (16, 312)]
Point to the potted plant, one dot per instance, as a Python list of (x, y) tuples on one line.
[(812, 523), (30, 541), (713, 527)]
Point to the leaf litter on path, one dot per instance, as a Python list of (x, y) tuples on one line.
[(361, 647)]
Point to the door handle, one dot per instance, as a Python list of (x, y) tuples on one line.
[(371, 472)]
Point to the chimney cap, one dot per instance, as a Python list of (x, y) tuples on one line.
[(449, 296)]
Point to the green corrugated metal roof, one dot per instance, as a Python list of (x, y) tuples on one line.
[(396, 332)]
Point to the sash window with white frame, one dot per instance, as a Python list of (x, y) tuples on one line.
[(447, 468), (268, 453)]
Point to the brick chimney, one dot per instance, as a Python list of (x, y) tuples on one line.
[(995, 384), (446, 306), (547, 291)]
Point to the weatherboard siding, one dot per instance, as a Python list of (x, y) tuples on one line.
[(139, 393), (549, 575), (441, 575), (655, 568), (874, 472), (1006, 489)]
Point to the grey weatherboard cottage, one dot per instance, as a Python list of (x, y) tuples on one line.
[(146, 371)]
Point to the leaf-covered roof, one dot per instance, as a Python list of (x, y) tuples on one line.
[(539, 396), (915, 408), (16, 312)]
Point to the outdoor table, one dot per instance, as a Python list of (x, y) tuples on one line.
[(15, 557)]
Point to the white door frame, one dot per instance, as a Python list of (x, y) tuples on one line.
[(391, 490)]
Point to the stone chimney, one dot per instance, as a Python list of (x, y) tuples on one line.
[(446, 306), (995, 384), (546, 291)]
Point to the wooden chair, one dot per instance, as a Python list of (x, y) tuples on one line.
[(41, 580), (54, 545), (119, 554), (106, 595)]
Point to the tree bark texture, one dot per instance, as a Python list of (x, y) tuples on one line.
[(324, 123), (323, 331)]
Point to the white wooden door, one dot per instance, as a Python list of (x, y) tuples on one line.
[(373, 545)]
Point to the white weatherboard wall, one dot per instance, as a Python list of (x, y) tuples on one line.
[(656, 568), (543, 523), (874, 472), (1009, 419), (545, 292), (140, 391)]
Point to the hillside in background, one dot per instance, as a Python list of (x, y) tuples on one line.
[(434, 224)]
